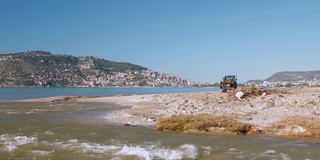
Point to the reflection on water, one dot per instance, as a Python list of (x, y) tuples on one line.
[(79, 131)]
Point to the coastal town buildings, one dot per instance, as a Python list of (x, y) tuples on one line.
[(143, 78), (268, 84)]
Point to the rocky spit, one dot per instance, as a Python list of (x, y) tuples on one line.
[(283, 111)]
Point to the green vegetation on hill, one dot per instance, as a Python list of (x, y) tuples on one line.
[(39, 68), (109, 66)]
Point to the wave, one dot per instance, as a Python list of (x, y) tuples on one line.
[(151, 152), (117, 149), (11, 142), (147, 152)]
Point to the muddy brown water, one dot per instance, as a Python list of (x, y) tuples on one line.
[(80, 131)]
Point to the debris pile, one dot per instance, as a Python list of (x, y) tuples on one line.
[(253, 92), (72, 98), (203, 123)]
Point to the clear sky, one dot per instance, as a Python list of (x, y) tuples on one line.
[(197, 40)]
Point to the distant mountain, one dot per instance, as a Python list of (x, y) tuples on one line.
[(290, 76), (257, 81), (294, 76), (40, 68)]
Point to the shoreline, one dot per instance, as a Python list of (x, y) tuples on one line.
[(282, 112)]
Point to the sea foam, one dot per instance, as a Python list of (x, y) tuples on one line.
[(151, 152), (42, 153), (274, 154), (85, 147), (145, 151), (11, 142)]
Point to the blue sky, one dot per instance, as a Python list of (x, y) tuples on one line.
[(197, 40)]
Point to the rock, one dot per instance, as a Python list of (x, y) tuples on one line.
[(220, 102), (130, 124), (217, 129), (191, 131), (151, 119), (270, 102), (255, 131), (294, 102), (294, 130)]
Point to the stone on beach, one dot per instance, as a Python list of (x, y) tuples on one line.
[(295, 130)]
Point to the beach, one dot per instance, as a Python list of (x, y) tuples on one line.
[(248, 123), (282, 111)]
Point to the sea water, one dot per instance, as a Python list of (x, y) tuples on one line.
[(40, 92), (79, 131)]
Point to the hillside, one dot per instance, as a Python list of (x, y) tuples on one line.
[(258, 81), (39, 68), (294, 76)]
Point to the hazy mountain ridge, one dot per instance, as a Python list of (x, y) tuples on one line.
[(292, 76), (40, 68)]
